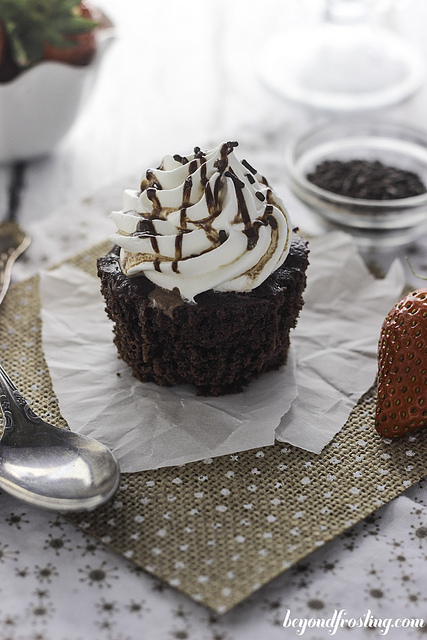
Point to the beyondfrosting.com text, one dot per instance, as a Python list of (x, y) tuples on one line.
[(340, 619)]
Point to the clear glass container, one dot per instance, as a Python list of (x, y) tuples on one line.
[(345, 62), (388, 222)]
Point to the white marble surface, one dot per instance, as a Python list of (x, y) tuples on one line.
[(180, 74)]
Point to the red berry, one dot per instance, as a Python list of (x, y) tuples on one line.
[(2, 42), (402, 367), (83, 44), (8, 69)]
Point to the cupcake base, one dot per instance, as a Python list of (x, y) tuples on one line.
[(218, 344)]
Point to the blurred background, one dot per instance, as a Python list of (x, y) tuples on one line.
[(188, 73)]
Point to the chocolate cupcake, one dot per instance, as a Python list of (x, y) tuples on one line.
[(206, 277)]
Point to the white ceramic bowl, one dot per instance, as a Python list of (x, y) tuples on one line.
[(39, 106)]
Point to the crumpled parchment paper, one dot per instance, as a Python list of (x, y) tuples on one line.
[(331, 364)]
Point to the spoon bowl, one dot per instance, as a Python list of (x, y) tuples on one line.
[(49, 466)]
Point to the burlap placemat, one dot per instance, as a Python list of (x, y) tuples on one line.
[(219, 529)]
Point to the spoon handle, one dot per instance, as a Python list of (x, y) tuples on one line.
[(13, 241), (6, 380), (6, 398), (13, 406)]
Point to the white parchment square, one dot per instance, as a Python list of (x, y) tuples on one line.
[(331, 364), (146, 426)]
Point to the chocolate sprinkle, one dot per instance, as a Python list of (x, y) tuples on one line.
[(246, 164), (366, 179)]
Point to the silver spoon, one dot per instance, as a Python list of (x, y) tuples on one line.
[(49, 466), (13, 239), (13, 242)]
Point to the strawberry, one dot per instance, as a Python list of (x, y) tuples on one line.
[(8, 69), (81, 48), (402, 367), (2, 42), (36, 30)]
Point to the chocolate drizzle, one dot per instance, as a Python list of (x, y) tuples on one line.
[(217, 189), (237, 182), (222, 178), (183, 218), (178, 252), (210, 199), (252, 234), (251, 230), (203, 172), (222, 162), (146, 228), (192, 167), (152, 196), (186, 191), (213, 205), (150, 181), (243, 212), (272, 221)]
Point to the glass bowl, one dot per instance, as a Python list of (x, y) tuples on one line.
[(394, 221)]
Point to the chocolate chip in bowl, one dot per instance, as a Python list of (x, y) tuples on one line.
[(366, 179), (365, 176)]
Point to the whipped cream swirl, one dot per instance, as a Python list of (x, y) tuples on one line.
[(200, 222)]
